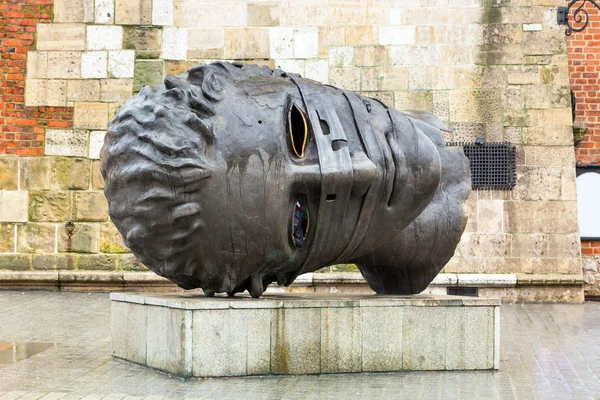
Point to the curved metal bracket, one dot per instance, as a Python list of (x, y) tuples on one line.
[(580, 16)]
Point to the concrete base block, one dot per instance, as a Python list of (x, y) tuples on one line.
[(291, 334)]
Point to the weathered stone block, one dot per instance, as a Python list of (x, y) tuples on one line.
[(306, 43), (328, 36), (384, 78), (41, 92), (485, 245), (64, 65), (94, 64), (295, 350), (54, 261), (541, 216), (418, 56), (243, 43), (35, 172), (538, 183), (9, 173), (166, 351), (37, 64), (128, 262), (15, 262), (499, 54), (13, 206), (564, 246), (523, 75), (7, 238), (162, 12), (414, 100), (263, 13), (292, 66), (370, 56), (146, 41), (91, 115), (341, 56), (73, 11), (490, 215), (36, 238), (116, 90), (361, 35), (441, 105), (551, 117), (66, 143), (384, 344), (49, 206), (281, 43), (84, 239), (206, 43), (544, 42), (121, 63), (549, 156), (385, 97), (174, 45), (129, 324), (90, 206), (147, 73), (209, 13), (350, 12), (177, 67), (83, 90), (96, 143), (397, 35), (341, 346), (97, 179), (60, 37), (423, 339), (317, 70), (104, 11), (476, 106), (111, 240), (97, 262), (133, 12), (100, 37), (70, 173), (469, 336), (345, 78)]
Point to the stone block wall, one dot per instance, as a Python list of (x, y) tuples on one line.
[(495, 69)]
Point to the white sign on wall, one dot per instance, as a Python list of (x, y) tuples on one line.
[(588, 202)]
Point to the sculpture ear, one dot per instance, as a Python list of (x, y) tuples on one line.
[(211, 83)]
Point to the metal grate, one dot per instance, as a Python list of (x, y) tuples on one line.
[(493, 164)]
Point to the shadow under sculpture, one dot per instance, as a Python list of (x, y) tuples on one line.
[(233, 176)]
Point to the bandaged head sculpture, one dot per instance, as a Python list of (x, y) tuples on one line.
[(232, 176)]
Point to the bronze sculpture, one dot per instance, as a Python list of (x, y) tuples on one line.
[(232, 176)]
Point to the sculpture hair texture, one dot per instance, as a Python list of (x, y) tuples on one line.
[(155, 161)]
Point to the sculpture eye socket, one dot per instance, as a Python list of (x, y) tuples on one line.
[(300, 222), (298, 129)]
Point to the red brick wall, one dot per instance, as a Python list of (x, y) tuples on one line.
[(584, 68), (583, 51), (22, 128)]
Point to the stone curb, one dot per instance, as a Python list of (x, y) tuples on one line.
[(99, 280)]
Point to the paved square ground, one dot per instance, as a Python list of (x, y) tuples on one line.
[(547, 352)]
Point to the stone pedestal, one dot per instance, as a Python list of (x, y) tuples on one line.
[(192, 335)]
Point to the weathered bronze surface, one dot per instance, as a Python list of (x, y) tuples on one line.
[(232, 176)]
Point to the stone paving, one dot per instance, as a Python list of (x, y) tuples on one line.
[(547, 352)]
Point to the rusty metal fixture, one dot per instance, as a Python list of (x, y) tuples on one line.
[(70, 228), (233, 176), (580, 16)]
